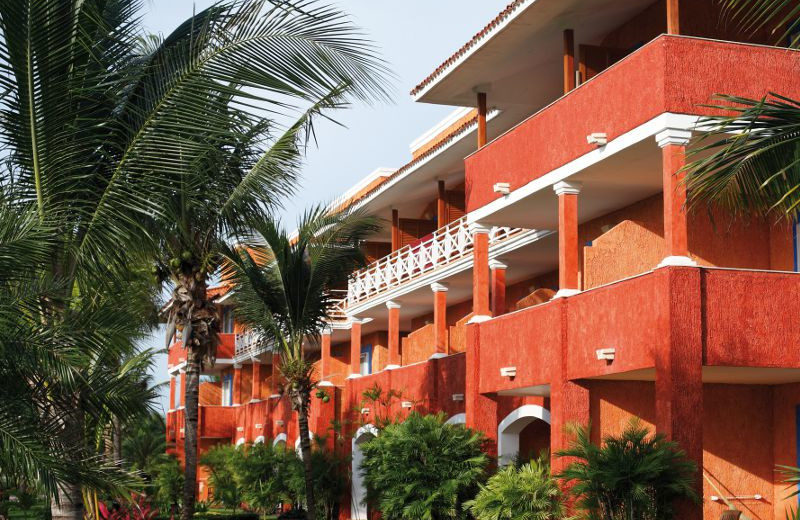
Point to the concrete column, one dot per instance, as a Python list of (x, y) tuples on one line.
[(679, 371), (394, 335), (276, 376), (480, 270), (237, 384), (676, 237), (569, 60), (441, 204), (498, 281), (255, 394), (325, 356), (395, 230), (355, 348), (171, 392), (441, 347), (481, 410), (673, 17), (183, 388), (568, 283), (482, 109)]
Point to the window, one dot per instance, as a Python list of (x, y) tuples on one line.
[(366, 360), (227, 320), (227, 390)]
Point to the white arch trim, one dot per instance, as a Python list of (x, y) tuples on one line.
[(281, 437), (297, 443), (510, 427), (358, 492), (259, 440), (459, 418), (240, 441)]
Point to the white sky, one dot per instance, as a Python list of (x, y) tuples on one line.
[(414, 37)]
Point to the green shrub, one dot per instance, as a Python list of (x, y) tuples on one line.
[(525, 492), (167, 484), (631, 476), (423, 468), (224, 463)]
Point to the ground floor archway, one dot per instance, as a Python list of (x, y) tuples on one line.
[(523, 432), (359, 492)]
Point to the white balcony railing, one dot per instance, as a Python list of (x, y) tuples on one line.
[(249, 344), (447, 245)]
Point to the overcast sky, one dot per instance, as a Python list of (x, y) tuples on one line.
[(414, 37)]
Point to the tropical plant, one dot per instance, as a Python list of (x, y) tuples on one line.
[(442, 466), (268, 476), (284, 287), (144, 443), (748, 160), (791, 476), (633, 476), (166, 484), (329, 473), (519, 492), (224, 462), (231, 162)]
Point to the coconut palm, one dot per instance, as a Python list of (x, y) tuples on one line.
[(100, 128), (748, 161), (284, 287), (237, 147)]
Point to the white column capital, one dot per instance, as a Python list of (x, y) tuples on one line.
[(567, 187), (391, 304), (327, 330), (237, 366), (495, 264), (477, 228), (674, 136), (439, 287)]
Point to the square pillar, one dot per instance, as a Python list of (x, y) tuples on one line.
[(182, 375), (481, 409), (276, 376), (673, 142), (395, 230), (237, 384), (441, 204), (325, 355), (482, 109), (498, 282), (394, 335), (355, 348), (480, 270), (255, 394), (679, 372), (441, 347), (568, 283), (673, 17), (569, 60), (171, 393)]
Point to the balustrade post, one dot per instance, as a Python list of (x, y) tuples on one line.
[(276, 376), (255, 394), (237, 384), (355, 348), (567, 237), (325, 357)]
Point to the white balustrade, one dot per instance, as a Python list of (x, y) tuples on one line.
[(445, 246)]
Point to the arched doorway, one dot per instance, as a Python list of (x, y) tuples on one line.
[(279, 441), (459, 418), (359, 492), (524, 431)]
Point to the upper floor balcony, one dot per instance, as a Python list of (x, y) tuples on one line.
[(669, 76)]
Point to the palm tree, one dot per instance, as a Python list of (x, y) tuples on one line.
[(99, 128), (749, 160), (234, 162), (283, 291)]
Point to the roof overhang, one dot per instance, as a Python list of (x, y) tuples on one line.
[(518, 57)]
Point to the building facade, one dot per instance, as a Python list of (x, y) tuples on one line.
[(539, 267)]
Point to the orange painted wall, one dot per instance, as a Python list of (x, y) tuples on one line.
[(340, 363), (612, 404), (210, 393)]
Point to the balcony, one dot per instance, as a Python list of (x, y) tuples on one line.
[(669, 75), (742, 320), (445, 247)]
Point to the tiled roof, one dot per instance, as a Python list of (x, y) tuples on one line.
[(505, 13)]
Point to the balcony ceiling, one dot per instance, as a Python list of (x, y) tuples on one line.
[(722, 375), (521, 62)]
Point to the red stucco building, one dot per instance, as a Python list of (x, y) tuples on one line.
[(540, 267)]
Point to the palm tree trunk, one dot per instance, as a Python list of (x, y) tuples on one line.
[(70, 503), (190, 433), (116, 438), (305, 450)]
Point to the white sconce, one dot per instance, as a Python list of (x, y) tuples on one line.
[(458, 397), (240, 428), (503, 188), (406, 404), (605, 354), (598, 138), (279, 422), (508, 372), (364, 411), (259, 426)]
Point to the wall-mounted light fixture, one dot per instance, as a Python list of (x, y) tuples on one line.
[(458, 397), (598, 138), (606, 354), (503, 188), (508, 372), (406, 404), (364, 411)]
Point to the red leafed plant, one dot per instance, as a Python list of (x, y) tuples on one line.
[(137, 509)]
